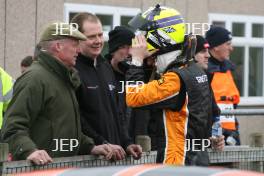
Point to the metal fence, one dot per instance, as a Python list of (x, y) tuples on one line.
[(76, 161), (239, 157), (244, 158), (243, 112)]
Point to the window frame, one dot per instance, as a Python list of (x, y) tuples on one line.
[(116, 11), (247, 41)]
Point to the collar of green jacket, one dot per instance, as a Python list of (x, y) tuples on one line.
[(69, 75)]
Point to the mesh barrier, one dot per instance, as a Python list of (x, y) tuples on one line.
[(76, 162), (244, 158), (238, 157)]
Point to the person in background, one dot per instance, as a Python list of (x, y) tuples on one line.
[(118, 56), (136, 120), (25, 63), (201, 58), (28, 60), (146, 125), (6, 94), (225, 90)]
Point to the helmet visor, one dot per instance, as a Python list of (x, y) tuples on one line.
[(138, 22)]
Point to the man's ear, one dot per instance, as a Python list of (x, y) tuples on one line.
[(57, 46)]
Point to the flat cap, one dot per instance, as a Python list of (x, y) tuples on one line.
[(61, 30)]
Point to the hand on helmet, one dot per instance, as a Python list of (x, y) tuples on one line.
[(139, 49)]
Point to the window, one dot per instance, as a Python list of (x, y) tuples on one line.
[(110, 16), (125, 20), (238, 29), (218, 23), (257, 30), (107, 21), (238, 57), (255, 71), (248, 56)]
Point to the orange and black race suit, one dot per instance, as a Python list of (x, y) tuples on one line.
[(184, 96)]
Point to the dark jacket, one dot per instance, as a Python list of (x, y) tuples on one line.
[(44, 108), (215, 109), (124, 111), (216, 66), (99, 102), (137, 121)]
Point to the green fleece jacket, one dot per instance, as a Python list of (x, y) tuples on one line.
[(44, 110)]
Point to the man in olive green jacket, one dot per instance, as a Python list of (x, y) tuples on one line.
[(43, 119)]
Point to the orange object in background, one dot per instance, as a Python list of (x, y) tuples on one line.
[(224, 88), (226, 95)]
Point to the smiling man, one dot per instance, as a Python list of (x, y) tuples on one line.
[(97, 97)]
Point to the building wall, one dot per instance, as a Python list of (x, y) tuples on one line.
[(121, 3), (246, 7), (20, 31), (250, 125), (22, 21), (47, 12), (2, 32)]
